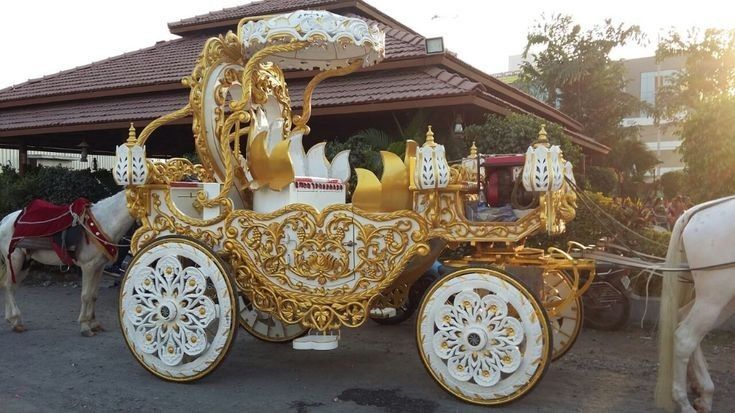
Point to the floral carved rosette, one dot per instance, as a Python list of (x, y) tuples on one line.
[(177, 309), (483, 336), (477, 338)]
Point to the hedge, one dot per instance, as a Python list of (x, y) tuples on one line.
[(54, 184)]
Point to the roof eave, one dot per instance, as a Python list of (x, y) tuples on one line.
[(506, 91)]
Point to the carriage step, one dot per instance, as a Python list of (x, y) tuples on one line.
[(316, 342), (383, 312)]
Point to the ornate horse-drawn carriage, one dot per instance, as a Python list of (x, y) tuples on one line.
[(268, 241)]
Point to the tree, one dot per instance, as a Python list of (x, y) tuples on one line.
[(700, 102), (672, 183), (574, 72), (514, 132), (631, 160)]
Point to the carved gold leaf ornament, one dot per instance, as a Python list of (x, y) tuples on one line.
[(368, 193), (320, 285), (391, 192)]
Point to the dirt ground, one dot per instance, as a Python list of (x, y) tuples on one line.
[(51, 368)]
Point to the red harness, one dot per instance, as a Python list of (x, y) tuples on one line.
[(42, 219), (94, 231)]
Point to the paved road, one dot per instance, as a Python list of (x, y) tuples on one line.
[(52, 368)]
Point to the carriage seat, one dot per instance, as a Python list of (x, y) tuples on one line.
[(316, 181)]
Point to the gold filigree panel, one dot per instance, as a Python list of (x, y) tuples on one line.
[(445, 209), (321, 269)]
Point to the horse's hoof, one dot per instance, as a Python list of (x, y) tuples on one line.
[(701, 406), (98, 328), (88, 333), (19, 328)]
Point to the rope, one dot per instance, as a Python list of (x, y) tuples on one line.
[(47, 220), (644, 264), (587, 202), (582, 196)]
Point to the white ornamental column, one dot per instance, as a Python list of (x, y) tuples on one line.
[(130, 165), (432, 171), (543, 172)]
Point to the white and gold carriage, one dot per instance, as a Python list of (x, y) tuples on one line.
[(267, 240)]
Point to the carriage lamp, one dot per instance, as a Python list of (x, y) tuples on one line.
[(432, 169), (130, 163), (83, 151), (543, 169), (458, 128)]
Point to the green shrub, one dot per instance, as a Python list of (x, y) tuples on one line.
[(672, 183), (514, 132), (589, 226), (602, 179), (55, 184)]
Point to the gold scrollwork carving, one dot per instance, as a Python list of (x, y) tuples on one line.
[(321, 269), (446, 209), (159, 221), (176, 169)]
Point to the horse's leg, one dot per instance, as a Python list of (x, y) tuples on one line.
[(698, 366), (91, 275), (95, 286), (12, 312), (711, 299)]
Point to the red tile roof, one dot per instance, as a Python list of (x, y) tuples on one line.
[(256, 8), (370, 87), (165, 62), (104, 110)]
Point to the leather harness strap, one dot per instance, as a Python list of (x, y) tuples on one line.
[(102, 240)]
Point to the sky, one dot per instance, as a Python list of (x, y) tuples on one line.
[(39, 38)]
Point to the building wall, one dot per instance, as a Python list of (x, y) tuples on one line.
[(644, 76), (67, 160)]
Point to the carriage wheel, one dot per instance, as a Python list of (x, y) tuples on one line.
[(265, 326), (566, 320), (483, 336), (178, 309)]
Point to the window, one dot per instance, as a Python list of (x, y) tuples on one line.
[(651, 82)]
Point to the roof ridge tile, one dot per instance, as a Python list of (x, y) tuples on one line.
[(241, 10)]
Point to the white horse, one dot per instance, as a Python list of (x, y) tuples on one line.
[(695, 302), (114, 220)]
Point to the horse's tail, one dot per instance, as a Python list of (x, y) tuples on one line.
[(672, 297), (3, 269)]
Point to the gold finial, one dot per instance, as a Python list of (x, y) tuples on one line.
[(542, 138), (132, 139), (430, 138), (473, 150)]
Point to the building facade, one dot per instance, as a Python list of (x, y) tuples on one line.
[(644, 77)]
